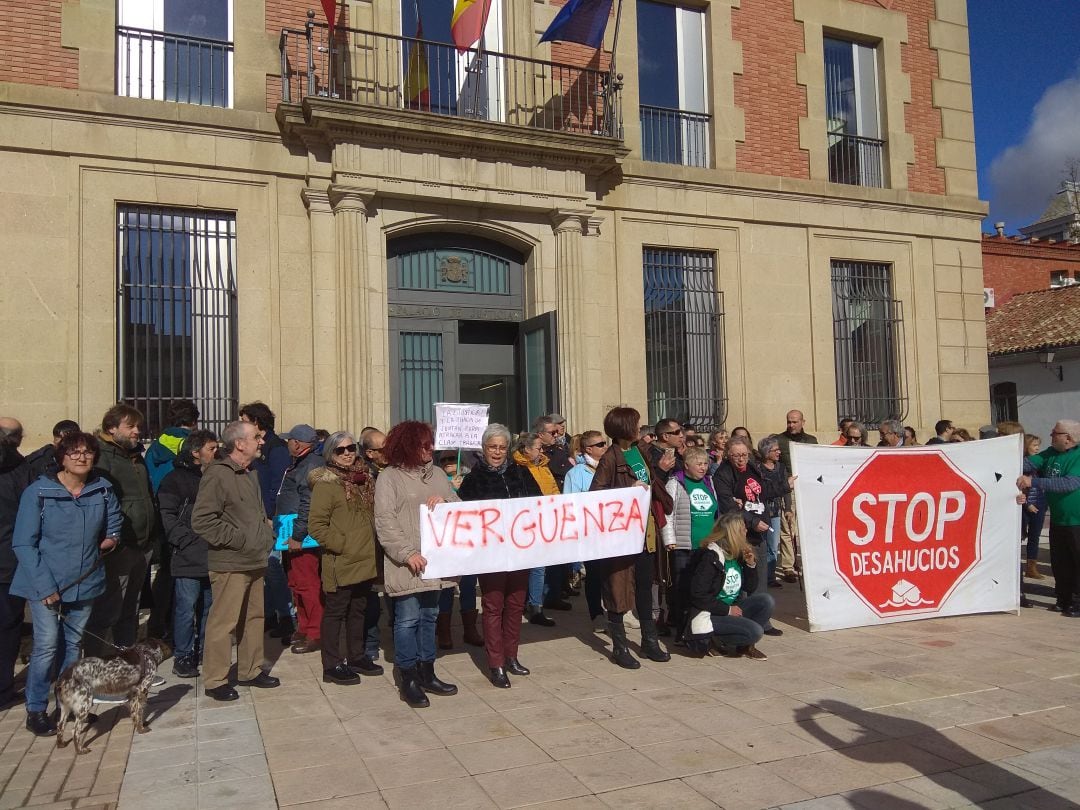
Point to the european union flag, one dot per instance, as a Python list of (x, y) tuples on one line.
[(581, 21)]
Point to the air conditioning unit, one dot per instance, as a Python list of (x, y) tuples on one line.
[(988, 297)]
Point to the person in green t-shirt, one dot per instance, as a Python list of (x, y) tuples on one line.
[(724, 573), (691, 520), (1056, 471)]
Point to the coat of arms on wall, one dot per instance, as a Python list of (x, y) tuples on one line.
[(454, 270)]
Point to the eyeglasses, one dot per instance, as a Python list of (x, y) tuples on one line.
[(79, 454), (551, 432), (678, 432), (345, 448), (1059, 433), (597, 444), (374, 449)]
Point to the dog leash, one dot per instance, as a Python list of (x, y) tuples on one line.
[(57, 606)]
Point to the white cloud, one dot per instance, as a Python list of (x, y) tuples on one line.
[(1026, 175)]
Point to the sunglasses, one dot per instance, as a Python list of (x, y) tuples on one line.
[(672, 432), (345, 448), (597, 444)]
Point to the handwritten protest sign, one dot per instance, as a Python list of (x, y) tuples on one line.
[(511, 534), (459, 424)]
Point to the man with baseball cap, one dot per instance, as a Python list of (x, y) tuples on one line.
[(290, 525)]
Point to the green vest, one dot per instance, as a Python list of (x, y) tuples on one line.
[(702, 510)]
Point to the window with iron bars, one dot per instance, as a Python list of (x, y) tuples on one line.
[(177, 312), (868, 341), (684, 347)]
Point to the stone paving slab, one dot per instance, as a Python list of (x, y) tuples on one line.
[(980, 711)]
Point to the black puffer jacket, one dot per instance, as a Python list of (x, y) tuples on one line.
[(42, 462), (176, 499), (14, 478), (707, 581), (753, 488), (484, 483)]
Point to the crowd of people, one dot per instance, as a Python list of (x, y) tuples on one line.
[(310, 537)]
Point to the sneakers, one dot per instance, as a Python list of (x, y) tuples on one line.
[(156, 681), (599, 625), (185, 667), (631, 621), (39, 724)]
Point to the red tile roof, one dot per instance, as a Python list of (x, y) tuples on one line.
[(1034, 321)]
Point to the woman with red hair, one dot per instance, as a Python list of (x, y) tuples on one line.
[(409, 481)]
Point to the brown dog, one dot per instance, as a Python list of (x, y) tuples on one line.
[(128, 673)]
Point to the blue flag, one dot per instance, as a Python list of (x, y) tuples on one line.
[(581, 21)]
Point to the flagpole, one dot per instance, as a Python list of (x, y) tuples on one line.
[(610, 90), (479, 63)]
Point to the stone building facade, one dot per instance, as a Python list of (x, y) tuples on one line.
[(351, 254)]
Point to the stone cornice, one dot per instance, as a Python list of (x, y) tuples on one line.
[(327, 122)]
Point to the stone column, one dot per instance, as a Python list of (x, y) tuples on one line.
[(324, 315), (352, 208), (571, 228)]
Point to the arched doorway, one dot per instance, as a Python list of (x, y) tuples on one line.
[(458, 331)]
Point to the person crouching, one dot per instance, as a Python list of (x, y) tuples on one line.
[(724, 572)]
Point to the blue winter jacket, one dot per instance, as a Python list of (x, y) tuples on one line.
[(57, 538)]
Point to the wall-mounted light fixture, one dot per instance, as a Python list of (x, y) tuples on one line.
[(1047, 359)]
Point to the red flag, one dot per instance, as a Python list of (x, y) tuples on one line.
[(417, 88), (329, 8), (467, 24)]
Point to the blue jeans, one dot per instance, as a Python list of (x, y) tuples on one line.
[(466, 595), (1031, 528), (534, 596), (414, 628), (186, 594), (47, 634), (277, 596), (372, 614)]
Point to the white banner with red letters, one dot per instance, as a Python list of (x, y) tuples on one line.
[(891, 535), (512, 534)]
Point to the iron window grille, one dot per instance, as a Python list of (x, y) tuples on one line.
[(177, 312), (868, 341), (684, 338), (1003, 402)]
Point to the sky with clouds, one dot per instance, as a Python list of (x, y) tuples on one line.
[(1025, 65)]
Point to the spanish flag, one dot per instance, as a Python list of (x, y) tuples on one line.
[(467, 24), (417, 87)]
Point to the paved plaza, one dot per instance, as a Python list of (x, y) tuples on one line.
[(977, 711)]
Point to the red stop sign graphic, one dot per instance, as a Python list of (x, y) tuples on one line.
[(906, 529)]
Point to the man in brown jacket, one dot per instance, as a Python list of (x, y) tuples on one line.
[(230, 516)]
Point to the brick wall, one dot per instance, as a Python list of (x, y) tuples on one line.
[(1011, 267), (921, 119), (771, 101), (293, 14), (30, 51)]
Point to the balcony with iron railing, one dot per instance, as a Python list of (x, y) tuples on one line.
[(856, 160), (674, 136), (396, 81), (169, 67)]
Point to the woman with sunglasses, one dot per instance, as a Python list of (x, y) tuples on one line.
[(66, 522), (579, 479), (409, 481), (341, 520)]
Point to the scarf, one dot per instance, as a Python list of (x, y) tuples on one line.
[(356, 481), (540, 472), (500, 469)]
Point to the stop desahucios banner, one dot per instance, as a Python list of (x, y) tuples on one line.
[(512, 534), (895, 534)]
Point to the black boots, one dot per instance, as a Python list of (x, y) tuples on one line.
[(650, 645), (430, 683), (514, 667), (499, 679), (620, 653), (410, 689)]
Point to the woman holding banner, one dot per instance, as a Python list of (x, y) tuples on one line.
[(503, 599), (410, 481), (629, 580)]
